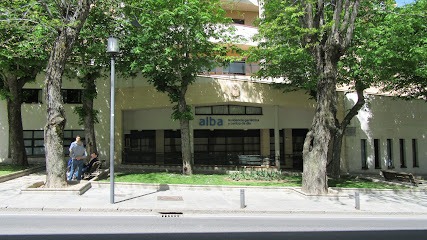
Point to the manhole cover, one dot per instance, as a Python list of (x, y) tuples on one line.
[(171, 214), (169, 198)]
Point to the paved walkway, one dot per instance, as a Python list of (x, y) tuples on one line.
[(155, 199)]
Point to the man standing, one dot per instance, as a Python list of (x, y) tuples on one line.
[(78, 154)]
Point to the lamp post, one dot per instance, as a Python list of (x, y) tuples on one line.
[(113, 50)]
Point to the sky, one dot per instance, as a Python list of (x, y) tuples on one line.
[(403, 2)]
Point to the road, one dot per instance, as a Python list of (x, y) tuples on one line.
[(95, 226)]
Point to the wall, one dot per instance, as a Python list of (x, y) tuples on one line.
[(388, 118), (34, 115)]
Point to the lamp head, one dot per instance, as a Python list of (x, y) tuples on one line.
[(113, 45)]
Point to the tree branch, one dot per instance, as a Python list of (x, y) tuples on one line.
[(350, 29)]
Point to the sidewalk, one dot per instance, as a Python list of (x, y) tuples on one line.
[(188, 199)]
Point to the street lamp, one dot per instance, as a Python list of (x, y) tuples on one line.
[(113, 50)]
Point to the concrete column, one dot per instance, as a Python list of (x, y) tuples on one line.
[(160, 146), (265, 142), (276, 137), (191, 129), (288, 148)]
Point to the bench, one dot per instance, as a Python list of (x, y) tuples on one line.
[(399, 176), (253, 160), (95, 170)]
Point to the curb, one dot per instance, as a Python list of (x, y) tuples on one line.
[(216, 212), (21, 173)]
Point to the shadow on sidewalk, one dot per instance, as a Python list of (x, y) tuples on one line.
[(162, 188)]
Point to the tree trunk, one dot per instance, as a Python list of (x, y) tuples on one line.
[(16, 137), (316, 145), (334, 165), (54, 130), (187, 161), (89, 117), (326, 53), (317, 142)]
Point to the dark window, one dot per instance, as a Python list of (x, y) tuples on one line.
[(31, 95), (73, 96), (377, 153), (34, 141), (402, 153), (415, 153), (237, 67), (227, 142), (172, 141), (238, 21), (364, 155), (140, 147), (228, 110), (390, 163)]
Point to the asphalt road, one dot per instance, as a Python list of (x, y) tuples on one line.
[(77, 226)]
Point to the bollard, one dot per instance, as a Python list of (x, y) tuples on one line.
[(357, 199), (242, 198)]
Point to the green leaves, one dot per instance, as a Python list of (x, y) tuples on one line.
[(171, 42)]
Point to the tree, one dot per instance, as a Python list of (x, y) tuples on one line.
[(88, 62), (173, 47), (310, 37), (402, 52), (22, 57), (68, 17), (386, 53)]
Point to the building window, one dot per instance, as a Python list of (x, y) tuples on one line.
[(73, 96), (402, 153), (237, 110), (377, 154), (415, 153), (390, 163), (364, 154), (253, 110), (238, 21), (172, 141), (34, 141), (228, 110), (237, 67), (226, 142), (31, 95), (220, 110), (203, 110), (140, 147)]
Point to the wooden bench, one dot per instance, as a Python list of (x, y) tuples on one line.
[(399, 176)]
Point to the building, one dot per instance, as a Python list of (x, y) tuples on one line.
[(237, 120)]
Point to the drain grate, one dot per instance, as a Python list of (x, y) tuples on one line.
[(171, 214)]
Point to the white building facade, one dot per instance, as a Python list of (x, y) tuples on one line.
[(234, 116)]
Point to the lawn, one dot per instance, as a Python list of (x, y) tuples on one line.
[(224, 179), (6, 169)]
